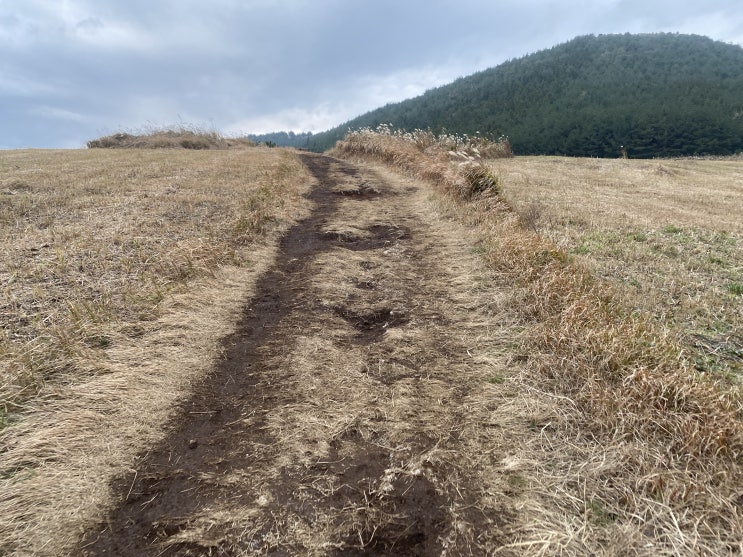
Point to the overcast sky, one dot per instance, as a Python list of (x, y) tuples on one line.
[(72, 70)]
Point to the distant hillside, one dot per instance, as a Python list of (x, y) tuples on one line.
[(654, 94), (284, 139)]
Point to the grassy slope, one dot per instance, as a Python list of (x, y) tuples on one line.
[(121, 271), (92, 241), (643, 452), (110, 274), (668, 232)]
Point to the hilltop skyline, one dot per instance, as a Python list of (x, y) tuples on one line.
[(79, 69)]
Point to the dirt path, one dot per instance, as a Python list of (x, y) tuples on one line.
[(357, 411)]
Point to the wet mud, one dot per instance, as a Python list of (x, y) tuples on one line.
[(222, 432)]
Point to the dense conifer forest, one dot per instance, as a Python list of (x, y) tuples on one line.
[(653, 95), (283, 139)]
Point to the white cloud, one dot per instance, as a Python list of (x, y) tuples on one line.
[(722, 26), (94, 32), (297, 119), (360, 95), (65, 23), (377, 90), (13, 83), (16, 30), (56, 113)]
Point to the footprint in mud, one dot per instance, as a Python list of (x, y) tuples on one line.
[(371, 325), (366, 285), (363, 191), (374, 237), (410, 516)]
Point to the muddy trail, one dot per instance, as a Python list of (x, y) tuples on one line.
[(354, 412)]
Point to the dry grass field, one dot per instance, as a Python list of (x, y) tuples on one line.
[(509, 346), (640, 453), (670, 232), (120, 273), (91, 243)]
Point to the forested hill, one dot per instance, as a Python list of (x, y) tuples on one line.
[(655, 94), (284, 139)]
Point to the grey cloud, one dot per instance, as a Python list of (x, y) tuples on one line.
[(71, 70)]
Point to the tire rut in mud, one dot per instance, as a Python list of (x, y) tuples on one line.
[(223, 429), (231, 402)]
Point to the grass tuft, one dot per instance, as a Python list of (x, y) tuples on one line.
[(453, 162), (176, 137), (480, 180)]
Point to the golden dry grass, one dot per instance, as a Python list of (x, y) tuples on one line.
[(584, 415), (121, 272), (176, 137), (91, 242), (641, 452), (373, 446), (668, 232), (451, 162)]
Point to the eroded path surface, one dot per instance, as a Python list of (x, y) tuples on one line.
[(356, 410)]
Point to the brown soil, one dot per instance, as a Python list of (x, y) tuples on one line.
[(353, 413)]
